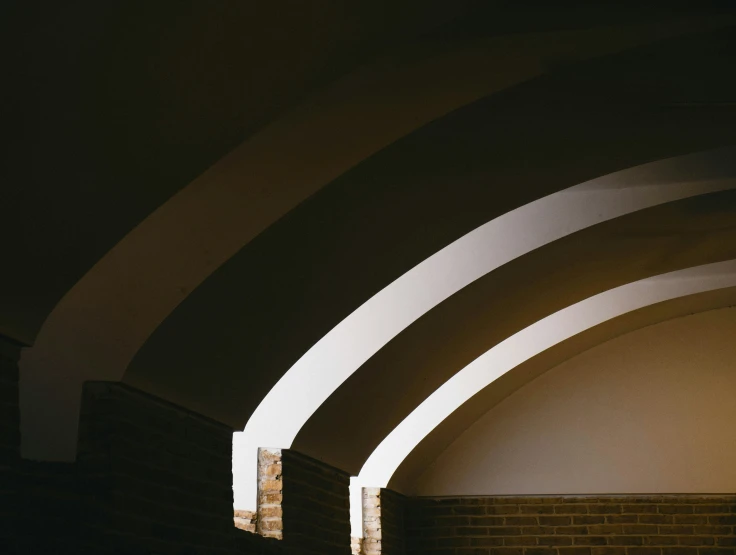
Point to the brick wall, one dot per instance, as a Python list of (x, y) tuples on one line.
[(152, 478), (630, 525), (316, 507), (162, 475), (393, 508), (383, 522)]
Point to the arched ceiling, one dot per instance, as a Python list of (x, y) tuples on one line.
[(362, 139), (102, 321), (533, 340), (654, 241), (464, 416), (402, 205), (648, 412), (119, 105)]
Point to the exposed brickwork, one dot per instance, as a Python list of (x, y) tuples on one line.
[(371, 503), (161, 476), (270, 494), (153, 478), (245, 520), (383, 522), (641, 525), (316, 508), (393, 510)]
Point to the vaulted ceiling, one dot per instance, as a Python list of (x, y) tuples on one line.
[(198, 192)]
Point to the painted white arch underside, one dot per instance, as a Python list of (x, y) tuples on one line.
[(100, 324), (520, 347), (351, 343)]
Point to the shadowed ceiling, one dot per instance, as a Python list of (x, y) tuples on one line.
[(123, 109)]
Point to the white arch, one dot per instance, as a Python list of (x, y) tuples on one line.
[(520, 347), (100, 324), (351, 343)]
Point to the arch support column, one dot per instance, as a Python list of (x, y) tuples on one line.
[(301, 501), (383, 522)]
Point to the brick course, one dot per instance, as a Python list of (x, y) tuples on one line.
[(164, 472), (623, 525), (154, 478), (383, 522), (316, 507), (270, 494)]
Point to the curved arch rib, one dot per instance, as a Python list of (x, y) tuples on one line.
[(100, 324), (352, 342), (529, 342)]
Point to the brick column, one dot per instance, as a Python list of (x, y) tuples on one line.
[(383, 522), (304, 502), (270, 494)]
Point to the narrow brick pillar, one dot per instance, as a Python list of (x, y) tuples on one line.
[(383, 522), (270, 493), (303, 502), (372, 521)]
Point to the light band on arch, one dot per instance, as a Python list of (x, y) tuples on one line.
[(520, 347), (351, 343)]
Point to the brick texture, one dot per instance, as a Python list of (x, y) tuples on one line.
[(270, 494), (245, 520), (629, 525), (393, 509), (150, 478), (165, 472), (383, 522), (316, 508), (302, 502)]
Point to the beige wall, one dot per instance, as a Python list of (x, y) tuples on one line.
[(653, 411)]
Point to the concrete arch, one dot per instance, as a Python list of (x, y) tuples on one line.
[(524, 345), (229, 342), (404, 478), (413, 365), (357, 338), (100, 324), (646, 412)]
